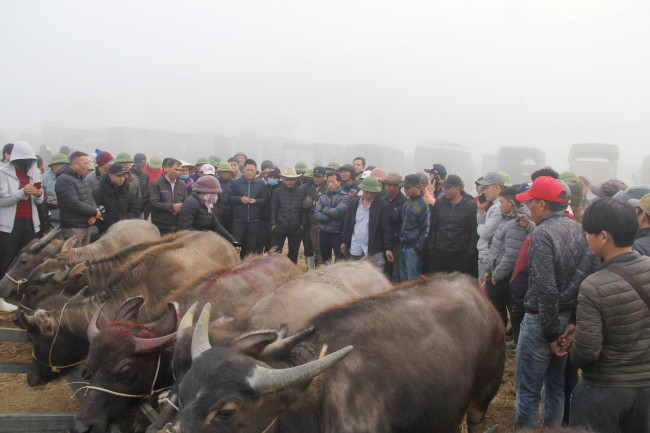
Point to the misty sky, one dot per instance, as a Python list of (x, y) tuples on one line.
[(479, 73)]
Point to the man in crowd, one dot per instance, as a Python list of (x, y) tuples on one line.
[(359, 164), (6, 154), (247, 197), (609, 188), (241, 158), (154, 168), (49, 182), (330, 213), (395, 200), (131, 182), (366, 231), (642, 240), (115, 197), (166, 196), (264, 170), (224, 173), (488, 221), (559, 259), (611, 331), (348, 184), (315, 191), (414, 230), (137, 170), (437, 173), (20, 192), (287, 215), (103, 161), (78, 209), (452, 244), (234, 164)]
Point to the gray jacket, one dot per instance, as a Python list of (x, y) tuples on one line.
[(505, 246), (642, 242), (487, 223), (559, 259), (49, 182)]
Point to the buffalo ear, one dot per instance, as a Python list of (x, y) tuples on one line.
[(45, 322), (130, 309), (254, 343), (170, 323), (62, 250)]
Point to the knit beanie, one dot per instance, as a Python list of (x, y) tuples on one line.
[(102, 157), (207, 184)]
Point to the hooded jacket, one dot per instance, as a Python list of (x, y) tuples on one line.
[(119, 202), (10, 191), (505, 246), (76, 203)]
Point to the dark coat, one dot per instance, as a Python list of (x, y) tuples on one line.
[(286, 208), (330, 211), (416, 223), (642, 242), (255, 189), (120, 203), (76, 204), (143, 180), (226, 208), (195, 216), (453, 228), (395, 212), (161, 202), (380, 236), (314, 193)]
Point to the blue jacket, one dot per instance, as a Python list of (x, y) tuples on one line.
[(330, 211), (225, 195), (254, 189), (415, 223)]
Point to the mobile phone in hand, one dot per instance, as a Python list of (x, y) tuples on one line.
[(38, 185), (481, 198)]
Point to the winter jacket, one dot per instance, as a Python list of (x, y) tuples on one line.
[(453, 228), (416, 223), (49, 182), (642, 242), (559, 259), (93, 179), (76, 203), (119, 203), (286, 208), (132, 184), (519, 280), (314, 193), (143, 181), (269, 191), (380, 236), (255, 189), (162, 201), (487, 223), (225, 194), (395, 213), (195, 216), (612, 338), (353, 186), (505, 246), (10, 191), (330, 211)]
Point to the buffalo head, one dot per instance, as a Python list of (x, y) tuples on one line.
[(126, 362), (49, 279)]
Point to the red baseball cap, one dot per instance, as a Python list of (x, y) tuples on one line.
[(544, 188)]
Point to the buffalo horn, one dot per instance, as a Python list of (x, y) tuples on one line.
[(38, 246), (46, 276), (268, 380), (92, 329), (149, 344), (66, 274), (26, 318), (282, 346), (200, 339), (188, 319), (79, 295)]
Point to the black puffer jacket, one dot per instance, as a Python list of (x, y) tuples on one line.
[(76, 204), (120, 203), (161, 201), (559, 258), (453, 228), (195, 216), (395, 213), (286, 208)]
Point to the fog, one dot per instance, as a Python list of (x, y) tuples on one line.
[(544, 74)]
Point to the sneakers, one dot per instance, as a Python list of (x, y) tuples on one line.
[(6, 306)]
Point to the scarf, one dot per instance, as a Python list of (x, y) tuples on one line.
[(210, 200)]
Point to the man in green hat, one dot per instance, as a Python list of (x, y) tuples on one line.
[(49, 180), (199, 163), (224, 173), (241, 157), (131, 181), (367, 227), (332, 167)]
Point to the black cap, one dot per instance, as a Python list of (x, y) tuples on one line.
[(319, 171), (140, 159), (438, 169), (411, 180), (451, 181), (275, 173), (348, 167), (117, 168)]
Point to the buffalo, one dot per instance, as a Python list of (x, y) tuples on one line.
[(417, 358), (119, 236)]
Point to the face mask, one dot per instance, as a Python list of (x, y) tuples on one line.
[(184, 176), (273, 181)]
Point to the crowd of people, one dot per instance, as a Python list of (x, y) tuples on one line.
[(570, 275)]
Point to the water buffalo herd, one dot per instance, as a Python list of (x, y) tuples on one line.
[(273, 349)]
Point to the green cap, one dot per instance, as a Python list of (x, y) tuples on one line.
[(300, 166), (568, 175), (370, 184), (155, 162), (333, 166), (91, 165), (58, 158), (241, 153), (202, 160), (224, 166), (506, 179), (123, 157), (215, 158), (309, 172)]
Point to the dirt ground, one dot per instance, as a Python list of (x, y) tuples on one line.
[(16, 396)]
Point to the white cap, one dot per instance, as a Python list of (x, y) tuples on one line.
[(207, 169)]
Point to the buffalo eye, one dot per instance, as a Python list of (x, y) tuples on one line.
[(123, 372), (33, 291), (226, 414), (23, 261)]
